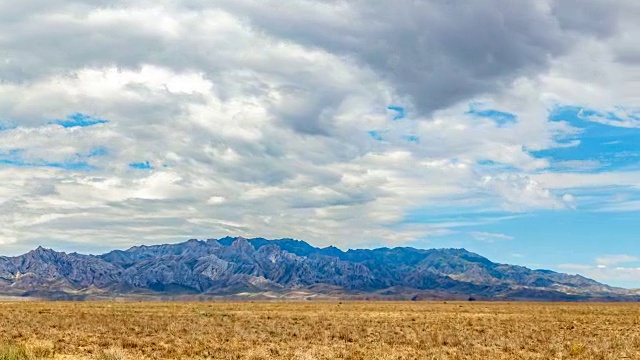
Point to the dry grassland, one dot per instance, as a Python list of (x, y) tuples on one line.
[(313, 330)]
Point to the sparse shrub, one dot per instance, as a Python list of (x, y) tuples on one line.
[(31, 351), (111, 354), (576, 349), (40, 349), (15, 352)]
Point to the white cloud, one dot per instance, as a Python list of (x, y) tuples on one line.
[(609, 260), (605, 274), (489, 237), (254, 117), (574, 267), (6, 240), (607, 269), (581, 180), (520, 193)]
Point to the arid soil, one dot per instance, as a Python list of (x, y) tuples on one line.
[(318, 330)]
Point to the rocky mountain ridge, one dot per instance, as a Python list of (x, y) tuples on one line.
[(238, 267)]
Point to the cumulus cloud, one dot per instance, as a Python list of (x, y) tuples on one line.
[(438, 52), (520, 193), (258, 119)]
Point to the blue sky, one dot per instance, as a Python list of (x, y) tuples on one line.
[(607, 147), (517, 139), (79, 120)]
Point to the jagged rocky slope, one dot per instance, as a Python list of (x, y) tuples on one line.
[(232, 266)]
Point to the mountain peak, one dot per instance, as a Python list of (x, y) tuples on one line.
[(242, 244), (42, 251)]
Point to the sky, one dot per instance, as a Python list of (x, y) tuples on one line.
[(511, 129)]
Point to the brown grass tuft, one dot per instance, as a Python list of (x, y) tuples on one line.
[(15, 352)]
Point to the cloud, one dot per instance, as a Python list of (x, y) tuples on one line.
[(607, 268), (620, 275), (588, 180), (520, 192), (575, 267), (489, 237), (610, 260), (500, 117), (437, 62), (153, 122), (7, 240), (578, 165)]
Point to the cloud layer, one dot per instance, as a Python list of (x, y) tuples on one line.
[(143, 121)]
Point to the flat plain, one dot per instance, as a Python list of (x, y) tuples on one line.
[(318, 330)]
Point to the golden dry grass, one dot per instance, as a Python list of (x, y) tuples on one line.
[(314, 330)]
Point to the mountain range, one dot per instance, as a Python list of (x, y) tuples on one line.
[(235, 267)]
